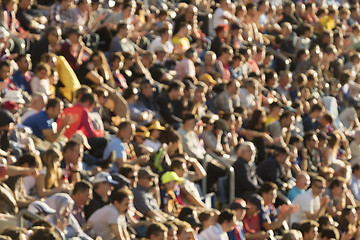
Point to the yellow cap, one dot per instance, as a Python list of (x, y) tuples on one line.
[(156, 125), (171, 176), (207, 77)]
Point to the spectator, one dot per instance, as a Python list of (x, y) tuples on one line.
[(302, 182), (226, 223), (156, 231), (81, 194), (102, 185), (247, 181), (309, 229), (355, 181), (311, 204), (22, 77), (109, 221), (224, 102)]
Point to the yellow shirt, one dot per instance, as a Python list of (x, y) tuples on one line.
[(270, 120), (327, 22)]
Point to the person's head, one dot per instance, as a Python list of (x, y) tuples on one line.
[(325, 221), (286, 29), (302, 180), (24, 62), (221, 30), (184, 29), (82, 90), (233, 87), (209, 58), (329, 233), (239, 207), (227, 220), (356, 170), (38, 101), (255, 203), (121, 199), (170, 180), (40, 232), (128, 9), (311, 140), (189, 122), (309, 229), (16, 233), (318, 186), (29, 160), (84, 5), (178, 165), (175, 90), (54, 107), (102, 95), (146, 177), (268, 192), (103, 184), (5, 69), (183, 230), (348, 217), (65, 4), (247, 151), (42, 71), (281, 154), (172, 230), (126, 130), (73, 152), (53, 34), (226, 53), (130, 173), (338, 186), (82, 193), (292, 234), (156, 231)]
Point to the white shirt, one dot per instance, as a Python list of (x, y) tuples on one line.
[(103, 218), (168, 46), (218, 17), (307, 203), (214, 232)]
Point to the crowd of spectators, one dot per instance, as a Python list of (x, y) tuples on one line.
[(125, 119)]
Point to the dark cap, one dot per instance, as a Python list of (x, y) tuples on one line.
[(235, 26), (188, 85), (189, 116), (146, 172), (238, 205), (257, 200), (145, 81), (322, 136), (193, 221)]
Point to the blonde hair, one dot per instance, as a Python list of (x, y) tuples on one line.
[(53, 174)]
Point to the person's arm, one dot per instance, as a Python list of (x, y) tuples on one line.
[(52, 136), (321, 211), (94, 77), (41, 191), (119, 235), (199, 170), (192, 199)]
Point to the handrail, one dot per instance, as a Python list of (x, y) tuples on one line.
[(231, 175), (25, 214)]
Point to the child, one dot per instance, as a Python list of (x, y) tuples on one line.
[(40, 82), (170, 193)]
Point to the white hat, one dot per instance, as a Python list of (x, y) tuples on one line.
[(4, 33), (80, 138), (103, 177), (39, 208), (13, 95)]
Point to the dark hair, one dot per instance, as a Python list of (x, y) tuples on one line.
[(336, 182), (53, 102), (175, 85), (124, 125), (356, 167), (267, 187), (226, 215), (129, 92), (126, 169), (81, 186), (306, 226), (343, 222), (14, 232), (83, 89), (120, 195), (295, 139), (255, 119), (122, 25), (28, 158), (318, 179), (169, 135), (286, 114), (330, 232), (21, 56), (43, 233), (70, 145), (115, 56), (155, 229), (88, 97), (323, 221), (50, 30), (177, 163), (5, 63)]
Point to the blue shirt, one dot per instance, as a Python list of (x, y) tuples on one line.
[(294, 192), (119, 147), (20, 81), (38, 122)]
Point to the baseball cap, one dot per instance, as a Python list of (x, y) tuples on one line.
[(171, 176), (156, 125), (142, 131), (103, 177), (238, 205), (207, 78), (146, 172), (257, 200), (80, 138), (39, 208)]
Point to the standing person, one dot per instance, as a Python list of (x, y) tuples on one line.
[(109, 222)]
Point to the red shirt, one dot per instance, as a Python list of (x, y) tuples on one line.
[(251, 223), (82, 122)]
